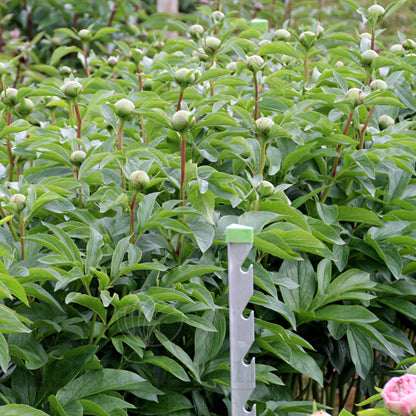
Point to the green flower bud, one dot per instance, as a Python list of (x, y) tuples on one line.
[(137, 54), (182, 120), (201, 55), (264, 126), (355, 96), (365, 35), (124, 107), (84, 35), (56, 41), (319, 30), (232, 67), (265, 189), (112, 61), (368, 56), (339, 64), (66, 70), (375, 11), (218, 16), (255, 63), (211, 45), (379, 85), (385, 121), (409, 44), (17, 202), (307, 39), (282, 34), (411, 369), (184, 76), (77, 157), (9, 96), (147, 84), (72, 89), (288, 60), (139, 180), (264, 42), (196, 31), (397, 48), (25, 106)]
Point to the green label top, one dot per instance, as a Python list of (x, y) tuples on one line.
[(237, 233), (261, 24)]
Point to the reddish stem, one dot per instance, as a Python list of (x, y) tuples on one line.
[(79, 123), (133, 204), (256, 98), (179, 105), (363, 130), (183, 163), (84, 50), (140, 79), (113, 13), (339, 148), (9, 147), (120, 135)]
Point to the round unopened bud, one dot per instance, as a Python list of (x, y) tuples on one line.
[(375, 11), (385, 121), (66, 70), (265, 189), (196, 31), (112, 61), (319, 30), (137, 54), (9, 96), (307, 39), (218, 16), (232, 67), (25, 106), (84, 35), (287, 60), (211, 45), (264, 42), (56, 41), (78, 157), (139, 180), (368, 56), (411, 369), (258, 6), (182, 120), (17, 202), (201, 55), (320, 413), (355, 96), (397, 47), (409, 44), (365, 35), (282, 34), (124, 107), (339, 64), (255, 63), (184, 76), (72, 89), (378, 85), (264, 126)]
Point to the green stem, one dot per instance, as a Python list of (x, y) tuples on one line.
[(9, 147), (256, 98), (183, 165), (94, 320), (364, 129), (306, 68), (133, 204), (262, 159), (120, 135), (84, 50), (22, 234)]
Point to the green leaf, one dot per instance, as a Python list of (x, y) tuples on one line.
[(179, 353), (361, 351), (62, 51), (118, 256), (167, 364), (360, 215), (89, 302), (20, 410), (103, 32), (217, 119), (345, 313), (98, 381), (186, 272), (278, 47), (4, 354), (271, 243), (94, 253)]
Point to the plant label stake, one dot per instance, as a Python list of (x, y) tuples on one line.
[(243, 376)]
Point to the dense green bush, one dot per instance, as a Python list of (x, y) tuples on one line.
[(127, 154)]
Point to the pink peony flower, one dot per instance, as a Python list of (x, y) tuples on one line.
[(399, 394)]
